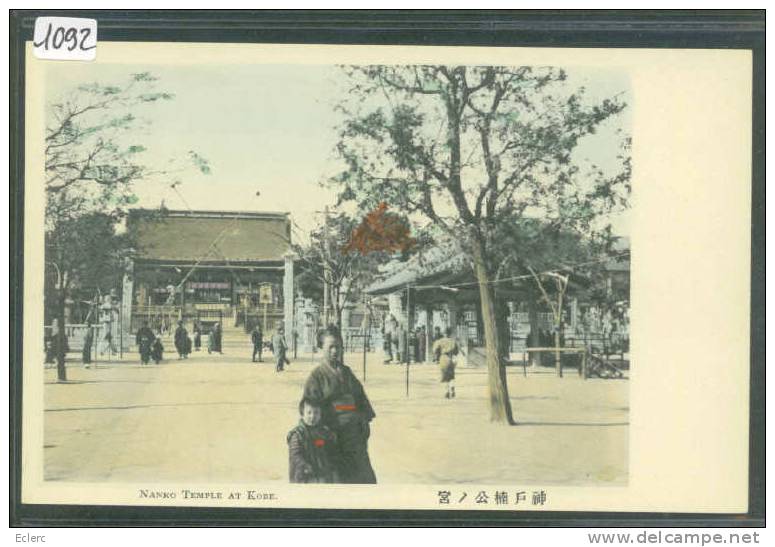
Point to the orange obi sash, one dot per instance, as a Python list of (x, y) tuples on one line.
[(345, 408)]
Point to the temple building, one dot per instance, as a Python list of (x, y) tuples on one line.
[(438, 290), (235, 268)]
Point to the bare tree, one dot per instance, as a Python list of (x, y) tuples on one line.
[(91, 164)]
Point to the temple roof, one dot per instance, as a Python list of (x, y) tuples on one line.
[(210, 235), (445, 264)]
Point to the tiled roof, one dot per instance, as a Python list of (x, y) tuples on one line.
[(212, 235), (445, 258)]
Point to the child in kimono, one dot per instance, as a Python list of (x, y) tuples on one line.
[(311, 447), (157, 350)]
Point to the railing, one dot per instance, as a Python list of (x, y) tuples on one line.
[(354, 338), (75, 334), (156, 310)]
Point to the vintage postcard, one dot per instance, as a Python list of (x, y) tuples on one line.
[(385, 277)]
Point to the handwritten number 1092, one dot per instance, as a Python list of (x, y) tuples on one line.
[(62, 36)]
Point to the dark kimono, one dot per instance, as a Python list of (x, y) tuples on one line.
[(347, 411), (157, 351), (257, 337), (422, 342), (88, 340), (182, 344), (144, 339), (197, 338), (311, 454)]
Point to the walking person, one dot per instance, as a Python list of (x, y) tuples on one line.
[(388, 331), (217, 338), (182, 344), (436, 337), (402, 343), (144, 340), (157, 350), (416, 345), (211, 340), (279, 348), (257, 337), (346, 410), (197, 336), (422, 344), (445, 350), (88, 341)]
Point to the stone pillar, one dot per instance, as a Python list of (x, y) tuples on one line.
[(307, 312), (127, 292), (346, 312), (452, 317), (288, 298), (395, 306)]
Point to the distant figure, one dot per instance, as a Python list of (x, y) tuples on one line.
[(345, 409), (436, 336), (48, 346), (157, 350), (547, 359), (217, 338), (88, 342), (257, 337), (211, 340), (145, 339), (54, 342), (446, 349), (422, 344), (366, 330), (197, 336), (533, 340), (415, 343), (311, 447), (403, 343), (388, 331), (279, 348), (182, 343)]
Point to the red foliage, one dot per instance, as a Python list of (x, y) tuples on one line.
[(381, 231)]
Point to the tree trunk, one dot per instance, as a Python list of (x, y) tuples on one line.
[(61, 337), (500, 405), (557, 353)]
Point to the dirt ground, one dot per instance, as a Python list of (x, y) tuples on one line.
[(224, 419)]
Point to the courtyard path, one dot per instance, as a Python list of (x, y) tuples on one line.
[(223, 419)]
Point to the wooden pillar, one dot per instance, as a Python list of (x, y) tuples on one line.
[(288, 297)]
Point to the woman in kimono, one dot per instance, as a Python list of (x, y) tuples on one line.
[(345, 410), (445, 350)]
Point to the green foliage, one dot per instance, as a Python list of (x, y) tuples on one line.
[(89, 253), (90, 171), (470, 147), (482, 153), (199, 162)]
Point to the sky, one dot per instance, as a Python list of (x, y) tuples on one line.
[(267, 128)]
